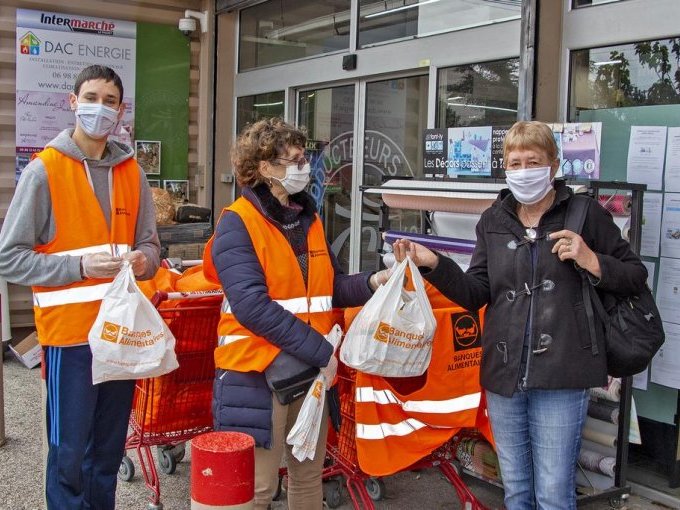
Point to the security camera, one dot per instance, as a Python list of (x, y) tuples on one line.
[(187, 26)]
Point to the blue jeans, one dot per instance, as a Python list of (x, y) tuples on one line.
[(86, 429), (538, 438)]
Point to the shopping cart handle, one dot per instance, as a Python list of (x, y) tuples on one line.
[(161, 296)]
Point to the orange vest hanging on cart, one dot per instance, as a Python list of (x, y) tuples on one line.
[(400, 421), (240, 349), (64, 314)]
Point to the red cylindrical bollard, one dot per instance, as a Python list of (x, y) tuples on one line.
[(222, 471)]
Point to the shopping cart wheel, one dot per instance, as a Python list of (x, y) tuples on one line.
[(178, 451), (166, 460), (126, 471), (331, 493), (617, 502), (375, 488), (157, 506)]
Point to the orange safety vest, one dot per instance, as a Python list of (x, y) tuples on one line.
[(400, 421), (64, 314), (239, 348)]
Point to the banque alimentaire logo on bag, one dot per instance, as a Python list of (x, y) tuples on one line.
[(388, 334), (117, 334)]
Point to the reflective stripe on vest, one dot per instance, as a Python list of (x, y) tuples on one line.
[(396, 428), (452, 405), (64, 314), (297, 305), (70, 296), (239, 348)]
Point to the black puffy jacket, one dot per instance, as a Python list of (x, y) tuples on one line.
[(561, 355)]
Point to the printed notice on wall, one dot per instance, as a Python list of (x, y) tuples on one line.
[(646, 151), (672, 172), (668, 289), (51, 50), (651, 224), (670, 226), (666, 362)]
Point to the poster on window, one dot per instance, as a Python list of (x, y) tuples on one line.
[(458, 151), (51, 50), (578, 145)]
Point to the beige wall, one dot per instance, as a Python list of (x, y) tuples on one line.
[(224, 108), (548, 58), (200, 103)]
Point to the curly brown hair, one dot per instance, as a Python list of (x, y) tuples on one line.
[(262, 141)]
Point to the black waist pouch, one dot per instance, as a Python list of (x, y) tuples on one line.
[(289, 378)]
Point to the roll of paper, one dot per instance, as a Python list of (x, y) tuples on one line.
[(430, 203), (603, 410)]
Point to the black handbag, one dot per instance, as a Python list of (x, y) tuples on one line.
[(289, 378), (633, 331)]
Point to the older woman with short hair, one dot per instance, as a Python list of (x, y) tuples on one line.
[(281, 281), (537, 357)]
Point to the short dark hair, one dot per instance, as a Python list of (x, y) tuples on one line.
[(97, 72)]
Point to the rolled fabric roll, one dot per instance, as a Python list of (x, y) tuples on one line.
[(611, 392), (600, 437), (604, 411), (594, 461), (605, 451), (591, 479), (618, 205)]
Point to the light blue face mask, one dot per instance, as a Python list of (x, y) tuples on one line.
[(96, 120)]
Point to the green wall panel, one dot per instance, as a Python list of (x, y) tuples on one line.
[(657, 402), (162, 95)]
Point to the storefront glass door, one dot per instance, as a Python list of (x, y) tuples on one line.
[(328, 116), (392, 120)]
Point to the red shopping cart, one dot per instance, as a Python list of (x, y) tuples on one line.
[(362, 488), (169, 410)]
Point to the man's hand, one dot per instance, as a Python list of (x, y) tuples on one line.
[(137, 260), (100, 265)]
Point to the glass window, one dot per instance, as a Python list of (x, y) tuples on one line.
[(626, 85), (396, 116), (282, 30), (328, 115), (638, 74), (483, 94), (250, 109), (390, 20), (585, 3)]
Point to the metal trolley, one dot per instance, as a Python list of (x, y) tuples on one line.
[(362, 488), (169, 410)]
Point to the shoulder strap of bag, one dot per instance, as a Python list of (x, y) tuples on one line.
[(577, 211)]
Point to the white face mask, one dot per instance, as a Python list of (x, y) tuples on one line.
[(96, 120), (529, 185), (296, 179)]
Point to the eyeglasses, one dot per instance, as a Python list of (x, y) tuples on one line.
[(299, 162)]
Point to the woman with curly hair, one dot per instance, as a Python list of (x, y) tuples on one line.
[(281, 282)]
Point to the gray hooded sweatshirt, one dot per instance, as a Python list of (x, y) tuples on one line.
[(30, 222)]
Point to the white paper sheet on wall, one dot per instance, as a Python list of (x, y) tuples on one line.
[(666, 363), (646, 151)]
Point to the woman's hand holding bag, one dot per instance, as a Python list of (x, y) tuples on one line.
[(392, 334)]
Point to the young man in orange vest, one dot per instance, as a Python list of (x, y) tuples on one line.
[(81, 207)]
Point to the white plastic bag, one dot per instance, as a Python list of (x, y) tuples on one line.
[(129, 339), (305, 432), (392, 334)]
